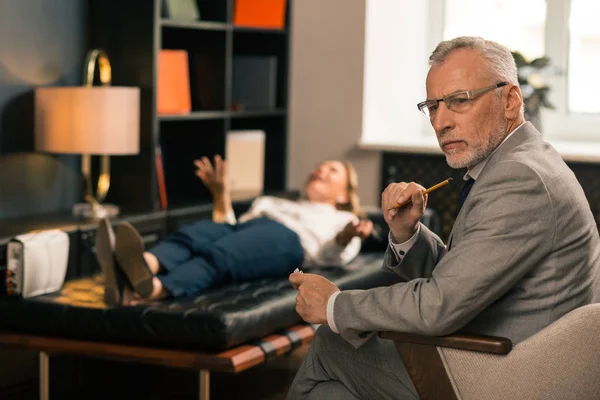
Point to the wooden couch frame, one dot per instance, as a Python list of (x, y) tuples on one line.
[(233, 360)]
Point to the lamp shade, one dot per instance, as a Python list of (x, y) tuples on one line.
[(96, 120)]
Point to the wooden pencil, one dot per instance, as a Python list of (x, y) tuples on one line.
[(428, 190)]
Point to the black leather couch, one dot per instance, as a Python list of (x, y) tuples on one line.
[(216, 320)]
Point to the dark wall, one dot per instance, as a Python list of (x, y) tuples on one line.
[(42, 43)]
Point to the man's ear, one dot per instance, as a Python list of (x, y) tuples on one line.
[(513, 102)]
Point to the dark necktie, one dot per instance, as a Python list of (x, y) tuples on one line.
[(465, 192)]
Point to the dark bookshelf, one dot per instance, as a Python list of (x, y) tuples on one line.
[(133, 32)]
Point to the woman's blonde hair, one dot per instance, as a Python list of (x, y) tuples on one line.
[(353, 204)]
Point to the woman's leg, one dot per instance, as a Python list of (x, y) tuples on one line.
[(188, 279), (256, 249), (259, 248), (140, 267), (182, 245)]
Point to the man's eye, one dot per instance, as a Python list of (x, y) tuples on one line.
[(433, 106), (457, 101)]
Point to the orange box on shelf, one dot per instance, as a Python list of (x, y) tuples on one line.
[(268, 14), (173, 92)]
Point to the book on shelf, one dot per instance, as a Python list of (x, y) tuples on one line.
[(245, 157), (206, 77), (173, 91), (254, 82), (160, 176), (181, 10), (266, 14)]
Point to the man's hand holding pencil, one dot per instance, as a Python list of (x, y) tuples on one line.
[(403, 206)]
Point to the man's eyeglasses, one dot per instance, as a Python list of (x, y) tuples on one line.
[(456, 102)]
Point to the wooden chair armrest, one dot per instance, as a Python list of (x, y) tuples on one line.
[(424, 363), (479, 343)]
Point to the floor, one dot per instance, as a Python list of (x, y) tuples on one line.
[(102, 380)]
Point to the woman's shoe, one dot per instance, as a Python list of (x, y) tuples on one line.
[(129, 252), (105, 246)]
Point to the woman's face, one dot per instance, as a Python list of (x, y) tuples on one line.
[(328, 183)]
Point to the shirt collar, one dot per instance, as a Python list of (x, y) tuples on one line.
[(476, 170)]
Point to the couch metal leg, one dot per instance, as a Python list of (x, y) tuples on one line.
[(204, 387), (44, 376)]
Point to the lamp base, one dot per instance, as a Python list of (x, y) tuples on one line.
[(95, 211)]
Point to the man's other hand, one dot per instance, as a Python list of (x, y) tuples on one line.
[(313, 293)]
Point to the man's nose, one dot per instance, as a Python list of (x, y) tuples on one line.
[(443, 118)]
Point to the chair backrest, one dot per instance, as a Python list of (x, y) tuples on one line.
[(560, 362)]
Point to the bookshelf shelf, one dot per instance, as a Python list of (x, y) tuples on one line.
[(246, 29), (201, 25), (194, 116), (250, 114), (201, 115), (217, 26)]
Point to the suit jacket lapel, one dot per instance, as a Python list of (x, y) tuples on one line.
[(524, 133)]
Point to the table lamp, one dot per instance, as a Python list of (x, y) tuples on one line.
[(90, 120)]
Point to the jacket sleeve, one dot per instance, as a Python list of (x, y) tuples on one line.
[(420, 260), (497, 247)]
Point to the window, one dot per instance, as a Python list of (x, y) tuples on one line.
[(584, 57), (489, 19), (566, 31)]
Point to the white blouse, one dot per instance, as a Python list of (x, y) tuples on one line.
[(316, 224)]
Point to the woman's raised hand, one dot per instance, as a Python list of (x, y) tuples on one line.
[(215, 178)]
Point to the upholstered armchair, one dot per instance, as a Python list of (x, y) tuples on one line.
[(560, 362)]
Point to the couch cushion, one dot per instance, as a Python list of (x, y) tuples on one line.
[(216, 320)]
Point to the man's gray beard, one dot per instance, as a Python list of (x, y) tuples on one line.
[(480, 154)]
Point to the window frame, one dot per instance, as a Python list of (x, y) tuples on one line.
[(563, 124)]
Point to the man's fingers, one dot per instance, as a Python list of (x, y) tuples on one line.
[(417, 199), (296, 279), (402, 196), (300, 302), (391, 194)]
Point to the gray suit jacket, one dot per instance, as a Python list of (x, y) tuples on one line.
[(524, 250)]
